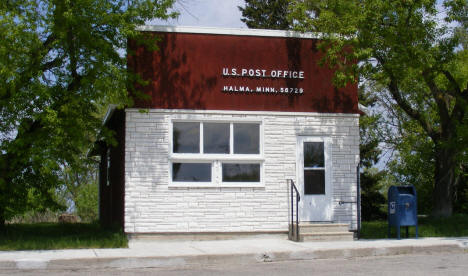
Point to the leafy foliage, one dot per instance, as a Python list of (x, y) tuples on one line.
[(61, 63), (414, 165), (86, 202), (417, 62), (372, 199), (461, 194), (266, 14), (80, 189), (373, 203)]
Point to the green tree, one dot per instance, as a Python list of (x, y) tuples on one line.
[(266, 14), (80, 189), (369, 151), (61, 62), (274, 15), (86, 202), (461, 203), (413, 164), (416, 55)]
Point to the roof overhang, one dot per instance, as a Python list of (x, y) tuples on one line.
[(228, 31), (110, 110), (100, 144)]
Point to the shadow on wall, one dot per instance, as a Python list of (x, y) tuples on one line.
[(294, 47), (171, 82), (335, 98)]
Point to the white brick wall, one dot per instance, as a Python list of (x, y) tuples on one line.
[(152, 206)]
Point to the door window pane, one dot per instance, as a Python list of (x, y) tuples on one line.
[(216, 138), (241, 172), (313, 155), (191, 172), (247, 138), (314, 182), (186, 137)]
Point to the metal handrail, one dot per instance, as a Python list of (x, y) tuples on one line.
[(358, 195), (298, 198)]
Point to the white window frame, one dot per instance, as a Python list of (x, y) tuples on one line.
[(216, 159)]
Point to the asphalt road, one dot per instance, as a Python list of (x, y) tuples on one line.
[(436, 264)]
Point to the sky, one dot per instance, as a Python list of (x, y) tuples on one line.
[(206, 13), (217, 13)]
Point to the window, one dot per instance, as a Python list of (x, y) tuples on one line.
[(193, 172), (216, 138), (246, 138), (241, 172), (216, 154), (314, 168), (186, 137)]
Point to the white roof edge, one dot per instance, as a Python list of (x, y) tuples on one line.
[(227, 31)]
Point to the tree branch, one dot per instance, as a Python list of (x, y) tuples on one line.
[(46, 45), (414, 114), (34, 66), (438, 97), (461, 97), (51, 64), (407, 108), (453, 82)]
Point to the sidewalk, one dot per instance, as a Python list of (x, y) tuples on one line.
[(147, 253)]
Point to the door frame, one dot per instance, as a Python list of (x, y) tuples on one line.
[(325, 201)]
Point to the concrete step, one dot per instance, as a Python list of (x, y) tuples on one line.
[(321, 232), (325, 236), (325, 227)]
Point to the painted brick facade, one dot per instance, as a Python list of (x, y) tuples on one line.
[(151, 206)]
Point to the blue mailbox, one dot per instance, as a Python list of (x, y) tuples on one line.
[(402, 208)]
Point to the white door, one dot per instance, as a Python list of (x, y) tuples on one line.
[(314, 178)]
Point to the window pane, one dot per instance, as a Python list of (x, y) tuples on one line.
[(216, 138), (241, 172), (313, 155), (314, 182), (246, 138), (191, 172), (186, 137)]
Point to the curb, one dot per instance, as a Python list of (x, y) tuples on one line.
[(241, 258)]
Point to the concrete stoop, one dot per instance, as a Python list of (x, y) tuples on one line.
[(321, 232)]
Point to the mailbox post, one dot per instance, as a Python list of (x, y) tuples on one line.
[(402, 208)]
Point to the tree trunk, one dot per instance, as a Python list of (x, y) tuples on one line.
[(445, 181)]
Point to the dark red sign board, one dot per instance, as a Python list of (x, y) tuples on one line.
[(235, 72)]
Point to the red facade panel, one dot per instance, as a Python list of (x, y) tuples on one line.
[(231, 72)]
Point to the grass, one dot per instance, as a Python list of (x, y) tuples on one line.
[(38, 236), (454, 226), (41, 236)]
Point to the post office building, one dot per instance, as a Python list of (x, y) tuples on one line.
[(226, 126)]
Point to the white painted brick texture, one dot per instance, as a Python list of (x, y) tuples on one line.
[(151, 206)]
